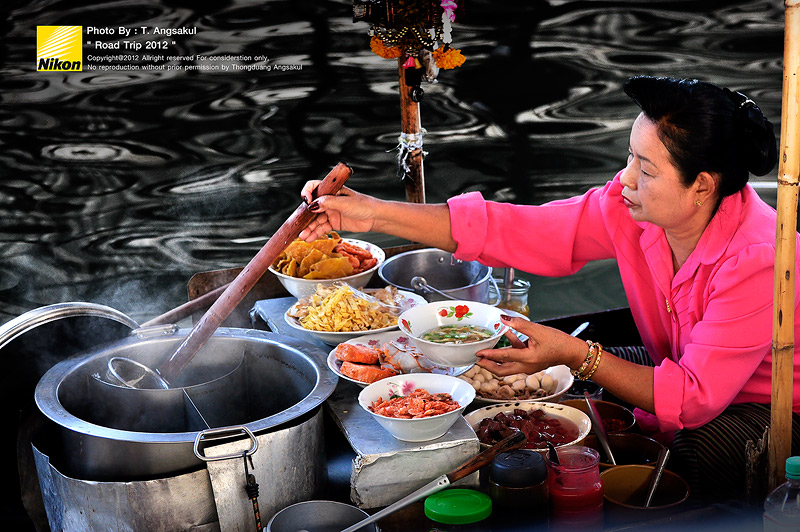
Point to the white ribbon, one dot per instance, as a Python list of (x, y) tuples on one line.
[(407, 144)]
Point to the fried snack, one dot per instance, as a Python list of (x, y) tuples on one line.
[(325, 258), (344, 311)]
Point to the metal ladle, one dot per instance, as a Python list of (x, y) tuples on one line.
[(133, 374), (419, 284), (658, 472), (599, 429)]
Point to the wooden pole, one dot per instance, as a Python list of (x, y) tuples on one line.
[(411, 126), (780, 439)]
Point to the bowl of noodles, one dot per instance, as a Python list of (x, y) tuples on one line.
[(449, 333), (338, 312), (303, 266)]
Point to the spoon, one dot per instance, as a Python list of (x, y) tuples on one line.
[(658, 471), (599, 429), (552, 454)]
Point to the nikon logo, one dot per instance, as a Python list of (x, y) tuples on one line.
[(59, 48)]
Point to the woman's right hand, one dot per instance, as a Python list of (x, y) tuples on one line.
[(348, 210)]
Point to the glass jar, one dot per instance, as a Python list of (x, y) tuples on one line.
[(575, 489), (514, 297)]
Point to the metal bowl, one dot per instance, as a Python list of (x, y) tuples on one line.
[(318, 515)]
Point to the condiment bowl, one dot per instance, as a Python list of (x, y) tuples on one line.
[(419, 320), (616, 418), (558, 410), (628, 448), (423, 428), (625, 490), (300, 288)]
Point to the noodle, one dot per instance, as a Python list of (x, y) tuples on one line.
[(343, 311)]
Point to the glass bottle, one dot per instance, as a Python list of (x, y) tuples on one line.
[(514, 297), (782, 506)]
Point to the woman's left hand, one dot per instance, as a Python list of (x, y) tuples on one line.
[(545, 347)]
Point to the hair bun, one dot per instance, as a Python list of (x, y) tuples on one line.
[(756, 136)]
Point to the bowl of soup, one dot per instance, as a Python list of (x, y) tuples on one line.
[(449, 333)]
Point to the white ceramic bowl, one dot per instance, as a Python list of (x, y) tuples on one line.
[(422, 429), (556, 409), (561, 374), (301, 288), (336, 338), (418, 320)]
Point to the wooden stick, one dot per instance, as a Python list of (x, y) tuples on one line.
[(411, 125), (780, 439), (187, 309), (249, 276)]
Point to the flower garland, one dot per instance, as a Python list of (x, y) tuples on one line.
[(447, 58), (380, 49), (390, 43)]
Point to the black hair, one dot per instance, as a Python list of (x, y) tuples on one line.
[(707, 128)]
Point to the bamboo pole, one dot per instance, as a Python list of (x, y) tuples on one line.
[(780, 439), (411, 125)]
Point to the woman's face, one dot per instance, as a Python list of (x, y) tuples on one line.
[(653, 190)]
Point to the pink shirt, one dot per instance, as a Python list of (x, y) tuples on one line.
[(707, 327)]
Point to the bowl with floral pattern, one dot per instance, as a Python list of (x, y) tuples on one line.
[(417, 407), (449, 333)]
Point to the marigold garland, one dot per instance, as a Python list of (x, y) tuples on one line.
[(447, 58), (381, 50)]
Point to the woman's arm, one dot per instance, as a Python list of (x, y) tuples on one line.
[(548, 347), (349, 210)]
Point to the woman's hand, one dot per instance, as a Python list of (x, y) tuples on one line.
[(545, 347), (346, 211)]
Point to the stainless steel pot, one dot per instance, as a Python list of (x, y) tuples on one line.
[(254, 380), (443, 276)]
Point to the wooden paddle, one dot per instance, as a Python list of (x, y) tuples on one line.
[(249, 276)]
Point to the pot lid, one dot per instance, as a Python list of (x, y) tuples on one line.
[(33, 342)]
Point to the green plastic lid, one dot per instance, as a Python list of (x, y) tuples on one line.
[(793, 467), (458, 506)]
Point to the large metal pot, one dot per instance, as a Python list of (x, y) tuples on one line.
[(255, 380), (443, 276)]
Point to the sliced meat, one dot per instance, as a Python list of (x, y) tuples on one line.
[(365, 372), (360, 354)]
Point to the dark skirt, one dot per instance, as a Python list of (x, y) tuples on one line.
[(712, 458)]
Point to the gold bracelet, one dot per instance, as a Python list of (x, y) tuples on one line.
[(586, 361), (596, 364)]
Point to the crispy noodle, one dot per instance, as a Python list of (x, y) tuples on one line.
[(340, 309)]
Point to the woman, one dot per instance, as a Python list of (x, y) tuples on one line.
[(695, 246)]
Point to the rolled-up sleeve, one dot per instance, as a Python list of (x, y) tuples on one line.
[(553, 239), (469, 224)]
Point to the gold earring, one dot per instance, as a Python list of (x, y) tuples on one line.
[(698, 203)]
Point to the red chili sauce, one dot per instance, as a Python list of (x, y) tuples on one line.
[(539, 427)]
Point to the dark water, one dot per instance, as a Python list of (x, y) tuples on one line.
[(115, 187)]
